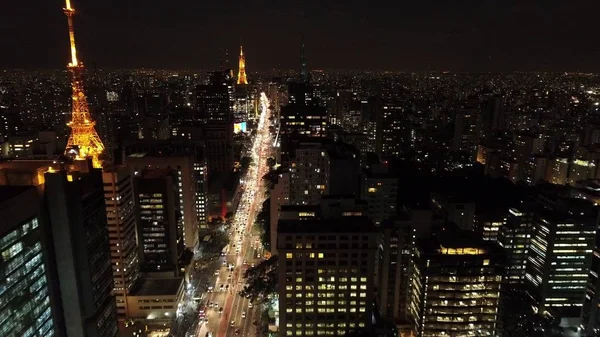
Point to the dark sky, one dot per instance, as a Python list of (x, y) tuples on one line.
[(455, 35)]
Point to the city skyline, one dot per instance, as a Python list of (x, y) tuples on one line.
[(432, 36)]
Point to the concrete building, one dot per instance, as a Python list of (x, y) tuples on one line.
[(326, 275), (323, 168), (156, 300), (121, 219), (183, 165), (158, 214), (380, 190)]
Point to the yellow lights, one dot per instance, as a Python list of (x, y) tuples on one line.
[(461, 251), (372, 190), (486, 262), (289, 255), (50, 169), (242, 68), (321, 255), (68, 5), (70, 177)]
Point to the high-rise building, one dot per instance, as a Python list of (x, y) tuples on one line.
[(183, 165), (157, 213), (326, 275), (323, 168), (196, 149), (213, 100), (120, 215), (455, 285), (590, 312), (380, 190), (515, 237), (467, 128), (77, 214), (562, 242), (394, 254), (25, 299), (310, 121)]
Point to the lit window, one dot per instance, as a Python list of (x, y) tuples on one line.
[(289, 255), (321, 255)]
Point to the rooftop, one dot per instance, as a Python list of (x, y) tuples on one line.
[(349, 224), (9, 192), (158, 287)]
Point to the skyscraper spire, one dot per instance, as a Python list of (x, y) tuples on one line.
[(303, 69), (84, 141), (242, 68)]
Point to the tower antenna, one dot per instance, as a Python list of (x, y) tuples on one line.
[(84, 140)]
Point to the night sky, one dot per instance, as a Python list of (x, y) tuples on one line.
[(455, 35)]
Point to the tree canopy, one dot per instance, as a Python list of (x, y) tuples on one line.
[(261, 280)]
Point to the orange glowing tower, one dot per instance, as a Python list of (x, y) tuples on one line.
[(83, 141), (241, 79)]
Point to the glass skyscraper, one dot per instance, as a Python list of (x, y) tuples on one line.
[(25, 308)]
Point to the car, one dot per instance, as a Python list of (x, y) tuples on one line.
[(250, 305), (216, 273), (252, 265), (243, 314), (220, 310), (227, 287), (221, 287), (206, 319), (232, 323), (237, 332), (210, 289), (229, 276), (245, 263)]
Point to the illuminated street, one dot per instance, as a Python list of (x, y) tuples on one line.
[(238, 317)]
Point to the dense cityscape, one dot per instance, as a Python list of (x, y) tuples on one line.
[(228, 202)]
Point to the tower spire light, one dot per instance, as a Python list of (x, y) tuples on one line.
[(241, 79), (83, 138)]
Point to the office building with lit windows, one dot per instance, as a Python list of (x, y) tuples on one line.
[(380, 190), (183, 165), (560, 253), (515, 237), (120, 215), (157, 216), (455, 285), (326, 275), (321, 168), (25, 299)]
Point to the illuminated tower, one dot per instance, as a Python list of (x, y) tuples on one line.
[(242, 68), (83, 141)]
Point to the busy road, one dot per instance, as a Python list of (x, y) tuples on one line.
[(223, 312)]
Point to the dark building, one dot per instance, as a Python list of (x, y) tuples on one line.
[(158, 214), (77, 215), (213, 100), (394, 254)]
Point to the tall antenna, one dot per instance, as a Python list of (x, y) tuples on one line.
[(84, 140)]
